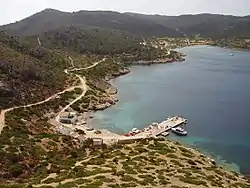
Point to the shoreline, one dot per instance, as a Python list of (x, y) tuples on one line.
[(207, 154), (108, 136), (90, 115)]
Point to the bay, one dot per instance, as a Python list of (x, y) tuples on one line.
[(211, 89)]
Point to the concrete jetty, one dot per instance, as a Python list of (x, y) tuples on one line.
[(155, 129)]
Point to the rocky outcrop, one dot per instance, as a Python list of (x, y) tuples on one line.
[(121, 72), (158, 61), (102, 106), (109, 101), (111, 90)]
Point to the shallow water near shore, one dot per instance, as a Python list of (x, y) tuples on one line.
[(211, 89)]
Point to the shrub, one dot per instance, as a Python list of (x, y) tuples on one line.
[(128, 178), (191, 162), (16, 170), (177, 163), (192, 180), (171, 155), (129, 184)]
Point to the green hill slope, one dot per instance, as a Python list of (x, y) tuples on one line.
[(206, 25), (50, 19), (92, 40), (28, 73)]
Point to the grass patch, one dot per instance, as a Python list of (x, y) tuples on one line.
[(176, 162), (128, 185), (240, 185), (193, 181), (171, 155), (128, 178), (82, 181)]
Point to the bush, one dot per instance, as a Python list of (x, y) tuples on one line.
[(16, 170), (177, 163), (191, 162), (192, 180), (128, 178)]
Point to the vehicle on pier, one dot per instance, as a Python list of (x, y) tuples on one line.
[(179, 131), (165, 134)]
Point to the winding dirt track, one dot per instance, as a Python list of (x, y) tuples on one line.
[(83, 86)]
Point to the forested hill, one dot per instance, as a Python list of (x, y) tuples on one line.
[(93, 40), (50, 19), (28, 73), (206, 25)]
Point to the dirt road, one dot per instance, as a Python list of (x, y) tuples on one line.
[(83, 86)]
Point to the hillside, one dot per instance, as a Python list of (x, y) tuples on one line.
[(82, 51), (28, 73), (50, 19), (206, 25), (92, 40)]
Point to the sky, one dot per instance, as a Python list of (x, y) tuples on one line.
[(15, 10)]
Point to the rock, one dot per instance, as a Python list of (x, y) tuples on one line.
[(121, 72), (111, 90), (202, 156), (124, 71), (102, 106), (111, 100), (213, 162)]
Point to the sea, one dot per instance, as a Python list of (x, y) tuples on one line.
[(211, 89)]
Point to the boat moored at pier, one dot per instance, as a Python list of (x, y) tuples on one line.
[(179, 131)]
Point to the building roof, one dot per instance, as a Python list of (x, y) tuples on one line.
[(64, 114), (97, 139)]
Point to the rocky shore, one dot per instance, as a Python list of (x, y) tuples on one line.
[(159, 61), (107, 98)]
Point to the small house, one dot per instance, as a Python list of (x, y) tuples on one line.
[(97, 142), (67, 118)]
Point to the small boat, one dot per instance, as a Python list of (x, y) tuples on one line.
[(179, 131), (135, 130), (186, 121), (231, 54), (165, 134), (154, 124), (89, 129)]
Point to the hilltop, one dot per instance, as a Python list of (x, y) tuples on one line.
[(205, 25), (50, 19)]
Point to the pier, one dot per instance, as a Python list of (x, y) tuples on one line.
[(156, 129)]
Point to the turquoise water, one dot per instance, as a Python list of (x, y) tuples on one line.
[(211, 89)]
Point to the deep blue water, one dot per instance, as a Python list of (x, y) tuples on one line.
[(211, 89)]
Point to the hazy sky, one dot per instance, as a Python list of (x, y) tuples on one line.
[(14, 10)]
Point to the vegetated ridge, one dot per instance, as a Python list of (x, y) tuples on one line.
[(206, 25)]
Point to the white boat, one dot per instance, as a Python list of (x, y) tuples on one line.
[(135, 130), (179, 131), (165, 134), (231, 54), (154, 124)]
